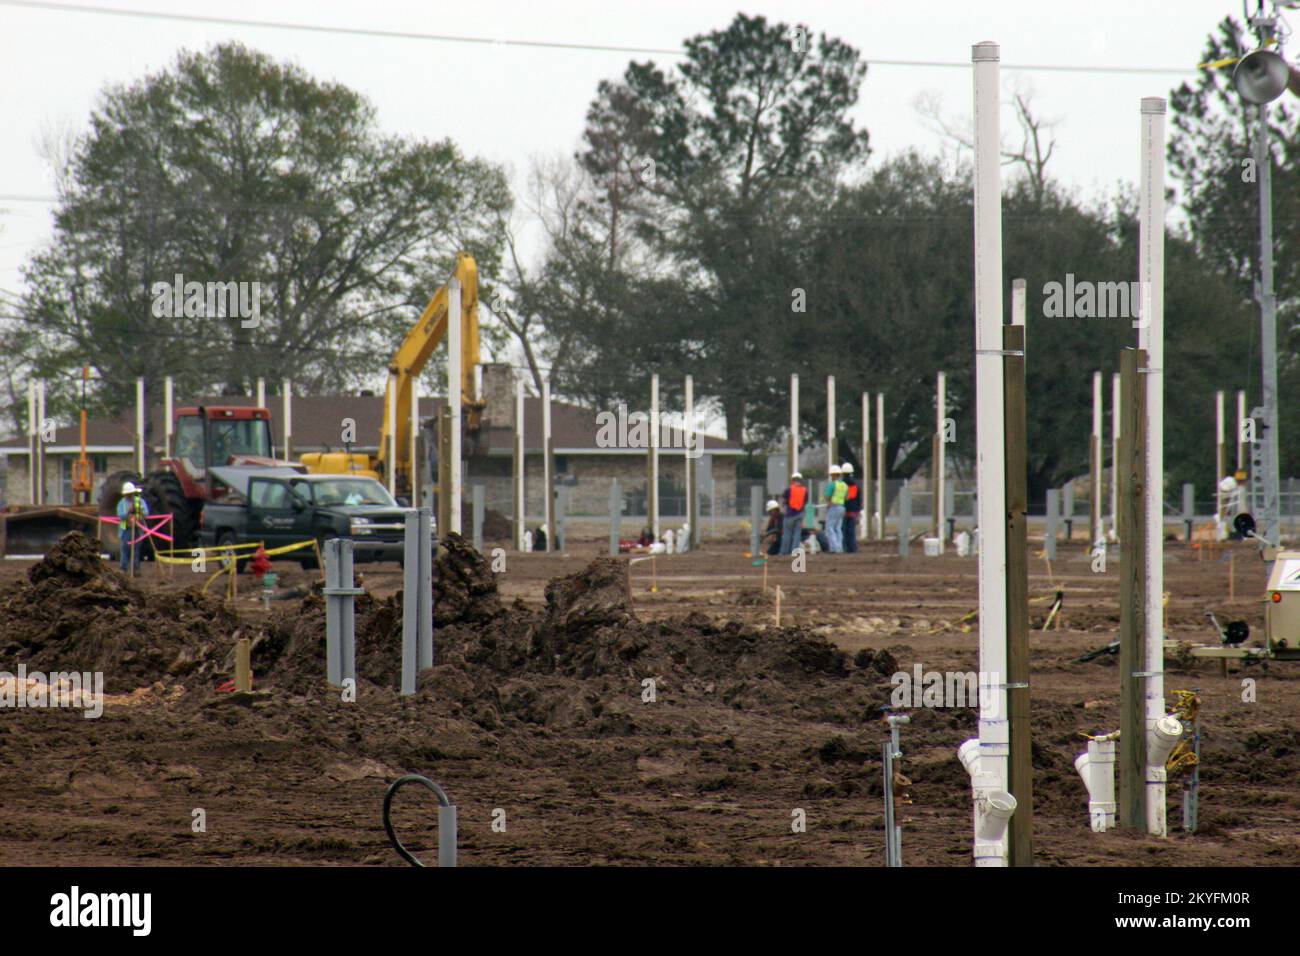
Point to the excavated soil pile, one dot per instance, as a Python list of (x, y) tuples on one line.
[(559, 667), (496, 526), (76, 612)]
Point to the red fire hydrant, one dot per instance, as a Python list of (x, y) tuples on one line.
[(261, 563)]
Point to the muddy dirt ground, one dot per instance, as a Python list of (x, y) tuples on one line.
[(534, 716)]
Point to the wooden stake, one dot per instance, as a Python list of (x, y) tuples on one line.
[(764, 575), (654, 575), (1131, 474), (243, 665), (778, 605), (1020, 768), (1232, 576), (320, 560)]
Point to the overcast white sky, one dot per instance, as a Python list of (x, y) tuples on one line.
[(508, 103)]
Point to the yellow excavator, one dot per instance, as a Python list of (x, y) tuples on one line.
[(404, 368)]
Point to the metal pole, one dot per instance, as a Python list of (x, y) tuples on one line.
[(548, 489), (1095, 535), (692, 455), (520, 522), (615, 516), (455, 374), (347, 609), (830, 424), (140, 463), (1219, 457), (477, 505), (414, 466), (864, 531), (755, 518), (1269, 510), (940, 405), (410, 606), (333, 641), (424, 588)]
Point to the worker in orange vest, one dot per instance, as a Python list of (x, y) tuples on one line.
[(793, 499), (852, 509)]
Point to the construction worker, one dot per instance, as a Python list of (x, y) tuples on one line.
[(793, 498), (852, 509), (132, 509), (836, 494), (772, 532)]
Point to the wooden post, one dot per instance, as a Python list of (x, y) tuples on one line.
[(1020, 771), (694, 448), (652, 484), (938, 461), (519, 459), (548, 467), (1131, 472), (1094, 464), (243, 665)]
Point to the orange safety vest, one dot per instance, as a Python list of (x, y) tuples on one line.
[(853, 491), (798, 495)]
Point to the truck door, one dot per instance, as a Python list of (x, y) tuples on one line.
[(304, 516), (271, 515)]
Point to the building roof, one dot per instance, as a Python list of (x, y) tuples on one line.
[(318, 426)]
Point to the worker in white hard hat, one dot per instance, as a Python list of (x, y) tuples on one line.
[(132, 509), (771, 541), (835, 495), (794, 499), (852, 509)]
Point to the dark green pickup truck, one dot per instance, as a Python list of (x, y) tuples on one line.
[(280, 506)]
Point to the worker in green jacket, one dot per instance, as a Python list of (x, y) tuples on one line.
[(836, 493)]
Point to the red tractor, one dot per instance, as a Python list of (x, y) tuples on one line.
[(204, 436)]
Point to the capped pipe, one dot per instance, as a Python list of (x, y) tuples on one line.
[(1097, 768)]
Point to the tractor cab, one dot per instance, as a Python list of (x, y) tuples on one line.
[(218, 435)]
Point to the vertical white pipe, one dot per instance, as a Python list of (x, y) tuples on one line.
[(1151, 336), (454, 376), (390, 453), (287, 392), (546, 463), (941, 478), (520, 470), (33, 440), (1095, 442), (994, 731), (40, 442), (880, 466), (864, 524), (168, 396), (140, 462), (1241, 417), (654, 452), (689, 441), (830, 423), (1219, 460), (415, 442), (1114, 453), (794, 423), (261, 392)]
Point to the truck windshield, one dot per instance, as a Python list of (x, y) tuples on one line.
[(239, 437), (352, 491)]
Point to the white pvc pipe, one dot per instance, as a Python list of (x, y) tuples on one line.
[(1097, 768), (261, 392), (688, 441), (794, 423), (1161, 741), (1219, 460), (941, 413), (1114, 455), (1151, 337), (864, 531), (830, 423), (288, 421), (33, 441), (880, 466), (167, 416), (654, 452), (454, 397), (1098, 537), (546, 462), (390, 398), (414, 471), (40, 441), (520, 470), (994, 729), (139, 425), (1241, 417)]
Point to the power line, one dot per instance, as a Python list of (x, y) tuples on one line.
[(541, 44)]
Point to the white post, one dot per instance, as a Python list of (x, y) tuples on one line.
[(1241, 417), (654, 453), (830, 424), (794, 423), (454, 397), (1097, 536), (168, 396), (1114, 454), (33, 441), (990, 779), (1151, 337), (688, 478), (1219, 461), (261, 392), (547, 503), (940, 408), (390, 452), (140, 462), (521, 524), (414, 469), (880, 466), (287, 393), (864, 524)]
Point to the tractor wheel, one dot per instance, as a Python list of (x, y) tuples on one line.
[(163, 491)]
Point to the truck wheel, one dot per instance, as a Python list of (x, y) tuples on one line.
[(163, 491), (225, 539)]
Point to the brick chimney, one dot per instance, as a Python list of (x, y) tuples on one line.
[(498, 395)]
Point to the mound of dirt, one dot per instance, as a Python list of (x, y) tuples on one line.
[(464, 587), (496, 526), (75, 612)]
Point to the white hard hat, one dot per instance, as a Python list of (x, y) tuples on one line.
[(129, 488), (796, 475), (836, 470), (1228, 484), (846, 468), (771, 503)]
